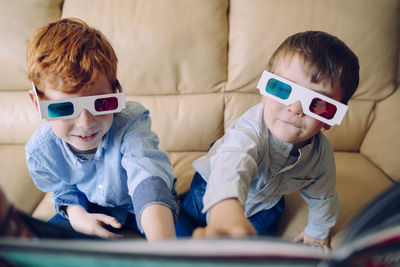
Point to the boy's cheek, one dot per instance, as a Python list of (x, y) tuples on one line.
[(60, 128), (315, 125)]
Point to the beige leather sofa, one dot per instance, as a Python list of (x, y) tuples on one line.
[(195, 65)]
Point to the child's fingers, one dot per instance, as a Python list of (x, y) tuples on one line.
[(199, 233), (208, 231), (299, 238), (108, 220), (327, 248), (204, 232), (104, 233), (242, 232)]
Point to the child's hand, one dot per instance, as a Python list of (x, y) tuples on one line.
[(306, 239), (92, 223), (226, 219)]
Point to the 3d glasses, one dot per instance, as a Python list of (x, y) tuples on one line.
[(316, 105), (70, 108)]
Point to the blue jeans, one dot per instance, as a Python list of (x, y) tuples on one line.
[(190, 217), (128, 222)]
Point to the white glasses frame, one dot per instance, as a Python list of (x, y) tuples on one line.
[(79, 103), (305, 96)]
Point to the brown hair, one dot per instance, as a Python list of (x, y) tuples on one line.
[(328, 56), (73, 52)]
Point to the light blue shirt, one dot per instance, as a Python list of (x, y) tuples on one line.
[(252, 165), (128, 171)]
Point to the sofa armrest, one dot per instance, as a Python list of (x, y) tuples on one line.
[(382, 141)]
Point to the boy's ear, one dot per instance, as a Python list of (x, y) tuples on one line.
[(33, 99), (263, 99), (326, 126)]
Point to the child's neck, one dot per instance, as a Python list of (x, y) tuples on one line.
[(77, 151), (295, 150)]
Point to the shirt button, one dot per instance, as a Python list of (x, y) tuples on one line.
[(100, 186)]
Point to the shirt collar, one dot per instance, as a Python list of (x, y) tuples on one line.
[(282, 149), (103, 146)]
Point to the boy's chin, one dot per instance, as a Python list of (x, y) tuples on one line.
[(83, 149), (295, 141), (287, 136)]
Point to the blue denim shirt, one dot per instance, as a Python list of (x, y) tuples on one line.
[(252, 165), (128, 171)]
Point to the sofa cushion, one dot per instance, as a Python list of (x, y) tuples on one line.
[(185, 122), (382, 142), (18, 20), (15, 180), (18, 117), (164, 47)]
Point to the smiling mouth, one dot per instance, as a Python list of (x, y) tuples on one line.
[(87, 138)]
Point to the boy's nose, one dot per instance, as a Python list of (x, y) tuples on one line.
[(85, 119), (296, 108)]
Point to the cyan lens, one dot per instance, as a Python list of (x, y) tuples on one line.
[(278, 88), (60, 109)]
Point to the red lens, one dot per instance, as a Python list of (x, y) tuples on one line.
[(106, 104), (323, 108)]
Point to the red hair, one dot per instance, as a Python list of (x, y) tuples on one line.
[(72, 52)]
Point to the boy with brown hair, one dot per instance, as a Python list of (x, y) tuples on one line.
[(277, 148), (96, 154)]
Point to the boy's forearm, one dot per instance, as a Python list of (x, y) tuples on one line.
[(76, 215), (74, 209), (227, 218), (158, 222), (226, 207)]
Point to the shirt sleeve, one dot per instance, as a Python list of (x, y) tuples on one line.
[(233, 162), (152, 191), (63, 193), (149, 170), (322, 199)]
